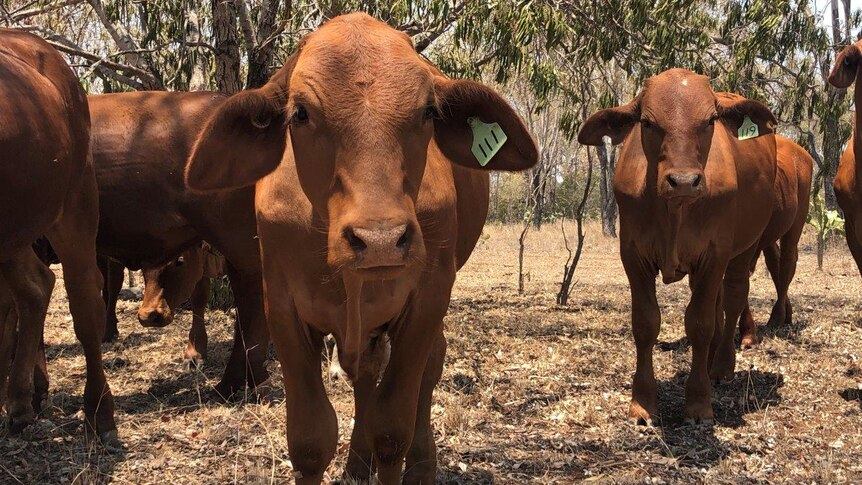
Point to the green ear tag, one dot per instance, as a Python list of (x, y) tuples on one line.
[(748, 129), (488, 138)]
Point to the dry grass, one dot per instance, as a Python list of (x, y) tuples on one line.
[(531, 393)]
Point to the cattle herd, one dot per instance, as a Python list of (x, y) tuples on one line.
[(341, 198)]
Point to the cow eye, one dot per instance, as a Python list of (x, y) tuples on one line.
[(300, 115), (712, 119), (430, 113), (646, 123)]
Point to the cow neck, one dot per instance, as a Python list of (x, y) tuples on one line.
[(349, 357), (857, 133), (670, 262)]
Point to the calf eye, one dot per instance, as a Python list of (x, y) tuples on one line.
[(430, 113), (300, 115)]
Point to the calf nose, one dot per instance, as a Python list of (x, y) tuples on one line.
[(684, 184), (379, 246)]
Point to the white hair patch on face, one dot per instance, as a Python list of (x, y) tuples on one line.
[(685, 82)]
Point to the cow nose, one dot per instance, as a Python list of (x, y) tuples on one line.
[(684, 184), (379, 246), (153, 319)]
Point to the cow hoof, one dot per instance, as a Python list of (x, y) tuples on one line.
[(192, 364), (748, 342), (110, 336), (111, 442), (639, 416), (19, 422), (699, 422)]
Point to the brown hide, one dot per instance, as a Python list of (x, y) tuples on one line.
[(848, 179), (49, 189), (693, 200), (148, 218), (372, 202), (792, 190)]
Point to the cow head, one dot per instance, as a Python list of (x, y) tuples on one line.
[(846, 66), (358, 111), (169, 286), (677, 112)]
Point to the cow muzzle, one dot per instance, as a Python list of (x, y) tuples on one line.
[(683, 185), (380, 247), (155, 318)]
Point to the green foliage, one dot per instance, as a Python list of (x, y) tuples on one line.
[(823, 220)]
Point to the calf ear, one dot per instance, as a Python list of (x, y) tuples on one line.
[(733, 109), (461, 100), (244, 139), (846, 65), (613, 122)]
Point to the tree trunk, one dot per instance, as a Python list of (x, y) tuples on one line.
[(537, 194), (198, 79), (831, 142), (265, 44), (607, 203), (573, 259), (226, 46)]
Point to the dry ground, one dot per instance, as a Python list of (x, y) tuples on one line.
[(531, 393)]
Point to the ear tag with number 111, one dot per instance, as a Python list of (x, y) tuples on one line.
[(748, 129), (488, 138)]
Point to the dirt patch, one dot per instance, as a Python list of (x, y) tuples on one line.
[(531, 392)]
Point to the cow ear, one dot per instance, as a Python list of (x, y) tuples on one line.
[(464, 102), (733, 109), (846, 65), (244, 139), (613, 122)]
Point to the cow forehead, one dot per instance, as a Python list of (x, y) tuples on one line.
[(362, 62), (678, 92)]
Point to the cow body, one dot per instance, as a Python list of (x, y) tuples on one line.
[(790, 211), (693, 200), (365, 213), (848, 179), (49, 189), (141, 142)]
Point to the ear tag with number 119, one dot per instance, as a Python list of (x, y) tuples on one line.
[(488, 138), (748, 129)]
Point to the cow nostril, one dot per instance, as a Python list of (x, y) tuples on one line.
[(356, 243), (404, 240), (671, 181), (696, 181)]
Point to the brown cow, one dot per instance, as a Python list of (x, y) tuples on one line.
[(141, 142), (369, 199), (182, 280), (49, 188), (848, 180), (792, 189), (694, 200)]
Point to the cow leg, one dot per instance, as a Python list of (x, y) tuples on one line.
[(30, 283), (421, 467), (196, 349), (247, 362), (360, 465), (700, 321), (112, 273), (782, 312), (734, 294), (772, 255), (74, 240), (8, 337), (312, 426), (747, 329), (646, 323), (413, 337)]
